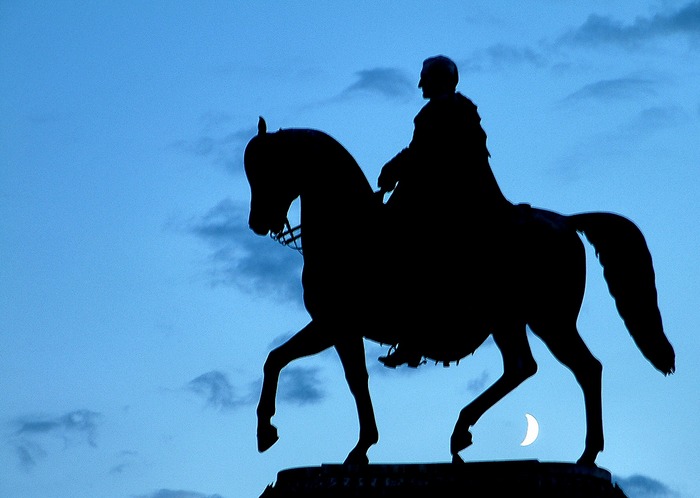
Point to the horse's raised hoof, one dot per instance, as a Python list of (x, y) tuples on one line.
[(267, 436), (458, 442)]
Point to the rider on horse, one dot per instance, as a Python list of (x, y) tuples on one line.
[(443, 183)]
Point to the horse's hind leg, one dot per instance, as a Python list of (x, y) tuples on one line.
[(308, 341), (518, 365), (566, 345)]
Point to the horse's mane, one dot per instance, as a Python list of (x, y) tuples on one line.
[(315, 152)]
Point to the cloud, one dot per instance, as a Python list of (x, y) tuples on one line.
[(126, 460), (653, 119), (637, 129), (253, 264), (500, 56), (82, 422), (619, 88), (386, 82), (639, 486), (297, 385), (596, 30), (476, 386), (605, 30), (216, 144), (635, 132), (28, 438), (119, 468), (172, 493), (28, 452), (215, 387), (300, 385)]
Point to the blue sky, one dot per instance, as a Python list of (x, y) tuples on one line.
[(137, 308)]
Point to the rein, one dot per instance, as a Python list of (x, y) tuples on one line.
[(289, 237)]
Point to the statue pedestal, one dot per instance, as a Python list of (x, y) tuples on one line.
[(472, 479)]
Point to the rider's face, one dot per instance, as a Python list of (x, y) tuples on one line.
[(424, 84)]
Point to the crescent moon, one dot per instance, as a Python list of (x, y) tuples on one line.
[(533, 430)]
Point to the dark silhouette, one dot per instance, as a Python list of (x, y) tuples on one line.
[(351, 293), (511, 478), (445, 182)]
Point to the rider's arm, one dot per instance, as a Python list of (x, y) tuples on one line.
[(391, 171)]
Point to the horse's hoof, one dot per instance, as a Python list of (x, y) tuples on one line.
[(588, 458), (267, 436), (458, 442), (356, 457)]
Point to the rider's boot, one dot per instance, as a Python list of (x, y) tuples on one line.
[(400, 355)]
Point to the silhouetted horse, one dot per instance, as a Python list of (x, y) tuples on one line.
[(347, 289)]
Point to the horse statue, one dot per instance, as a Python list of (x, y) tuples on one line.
[(347, 304)]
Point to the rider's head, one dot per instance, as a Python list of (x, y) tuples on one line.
[(439, 76)]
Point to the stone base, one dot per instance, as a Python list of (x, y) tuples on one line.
[(473, 479)]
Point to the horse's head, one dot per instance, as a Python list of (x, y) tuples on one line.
[(273, 185)]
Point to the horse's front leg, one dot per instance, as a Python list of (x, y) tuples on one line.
[(352, 355), (518, 365), (308, 341)]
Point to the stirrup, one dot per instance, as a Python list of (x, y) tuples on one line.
[(397, 357)]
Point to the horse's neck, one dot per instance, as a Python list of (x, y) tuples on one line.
[(334, 190), (326, 215), (326, 170)]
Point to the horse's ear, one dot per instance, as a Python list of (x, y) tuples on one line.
[(262, 126)]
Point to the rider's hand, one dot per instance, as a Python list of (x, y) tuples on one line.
[(387, 179)]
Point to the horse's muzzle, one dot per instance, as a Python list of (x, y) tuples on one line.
[(262, 225), (258, 230)]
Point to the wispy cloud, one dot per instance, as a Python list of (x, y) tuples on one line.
[(297, 385), (76, 422), (477, 385), (218, 392), (80, 425), (615, 89), (29, 453), (239, 258), (126, 460), (119, 468), (616, 142), (653, 119), (177, 493), (639, 486), (502, 56), (216, 144), (596, 31), (606, 30), (386, 82), (300, 385)]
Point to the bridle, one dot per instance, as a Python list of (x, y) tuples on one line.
[(289, 236)]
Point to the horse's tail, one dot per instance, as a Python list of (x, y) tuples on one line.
[(629, 273)]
